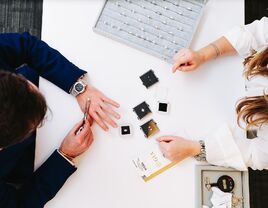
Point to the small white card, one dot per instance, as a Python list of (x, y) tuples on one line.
[(151, 163)]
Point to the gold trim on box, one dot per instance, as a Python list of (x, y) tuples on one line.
[(146, 179)]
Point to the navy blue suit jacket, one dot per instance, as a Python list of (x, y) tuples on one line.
[(20, 186)]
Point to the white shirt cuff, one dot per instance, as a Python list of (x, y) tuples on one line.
[(71, 162)]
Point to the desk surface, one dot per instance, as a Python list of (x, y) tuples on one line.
[(200, 101)]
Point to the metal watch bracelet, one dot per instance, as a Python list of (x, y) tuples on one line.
[(202, 156)]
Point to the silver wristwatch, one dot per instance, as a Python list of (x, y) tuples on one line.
[(202, 156), (78, 88)]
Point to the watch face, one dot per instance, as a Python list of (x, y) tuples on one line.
[(79, 87)]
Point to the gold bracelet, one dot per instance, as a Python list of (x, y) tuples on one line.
[(218, 52)]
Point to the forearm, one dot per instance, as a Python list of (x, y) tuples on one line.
[(19, 49), (216, 49)]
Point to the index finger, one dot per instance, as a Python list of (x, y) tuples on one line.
[(181, 61)]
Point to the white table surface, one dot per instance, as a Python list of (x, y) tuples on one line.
[(200, 101)]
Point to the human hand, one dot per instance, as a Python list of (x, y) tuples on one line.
[(177, 149), (100, 107), (187, 60), (78, 140)]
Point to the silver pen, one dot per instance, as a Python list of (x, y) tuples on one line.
[(88, 102)]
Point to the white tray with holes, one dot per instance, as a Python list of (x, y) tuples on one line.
[(160, 27)]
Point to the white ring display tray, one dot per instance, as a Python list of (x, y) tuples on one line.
[(204, 172), (160, 28)]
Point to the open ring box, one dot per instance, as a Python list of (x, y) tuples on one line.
[(213, 173)]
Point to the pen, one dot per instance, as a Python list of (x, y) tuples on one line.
[(88, 102)]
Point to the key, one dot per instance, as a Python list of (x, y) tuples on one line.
[(225, 183)]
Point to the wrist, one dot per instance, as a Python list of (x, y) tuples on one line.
[(202, 56), (88, 91), (195, 148), (69, 157)]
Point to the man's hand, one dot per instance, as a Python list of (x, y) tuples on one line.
[(177, 149), (187, 60), (77, 142), (100, 107)]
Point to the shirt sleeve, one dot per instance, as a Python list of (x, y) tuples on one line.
[(19, 49), (255, 151), (222, 150), (69, 161), (248, 38), (40, 188), (230, 148)]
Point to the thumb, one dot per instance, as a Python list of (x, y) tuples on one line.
[(77, 127), (182, 61)]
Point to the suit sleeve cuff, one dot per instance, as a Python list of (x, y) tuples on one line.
[(53, 173), (71, 162), (72, 79)]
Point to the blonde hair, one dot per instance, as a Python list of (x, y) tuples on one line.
[(254, 110)]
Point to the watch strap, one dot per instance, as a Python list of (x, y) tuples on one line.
[(202, 156)]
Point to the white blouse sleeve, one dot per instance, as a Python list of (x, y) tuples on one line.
[(222, 150), (256, 155), (246, 39), (231, 149)]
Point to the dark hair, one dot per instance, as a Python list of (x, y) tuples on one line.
[(22, 109)]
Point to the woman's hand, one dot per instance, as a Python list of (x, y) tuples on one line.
[(100, 108), (177, 149), (187, 60)]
